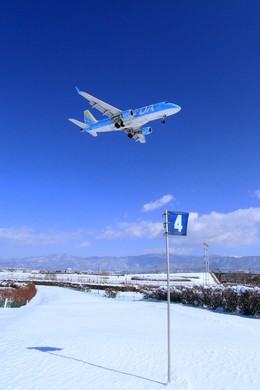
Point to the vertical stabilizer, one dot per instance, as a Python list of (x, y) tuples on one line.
[(89, 118)]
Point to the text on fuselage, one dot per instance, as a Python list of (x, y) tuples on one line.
[(144, 110)]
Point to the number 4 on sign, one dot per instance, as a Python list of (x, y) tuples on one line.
[(178, 223)]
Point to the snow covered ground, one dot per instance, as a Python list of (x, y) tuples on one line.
[(64, 339), (176, 279)]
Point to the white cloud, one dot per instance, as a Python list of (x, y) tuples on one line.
[(110, 234), (84, 244), (233, 229), (157, 203), (220, 230), (140, 229), (28, 236), (257, 194)]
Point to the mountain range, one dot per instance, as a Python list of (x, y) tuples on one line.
[(134, 264)]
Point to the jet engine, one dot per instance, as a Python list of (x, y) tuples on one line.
[(128, 114), (147, 130)]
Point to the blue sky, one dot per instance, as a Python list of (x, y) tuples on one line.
[(63, 191)]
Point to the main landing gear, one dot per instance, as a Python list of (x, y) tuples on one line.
[(163, 119), (118, 125)]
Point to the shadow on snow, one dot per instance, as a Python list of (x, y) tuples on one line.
[(52, 350)]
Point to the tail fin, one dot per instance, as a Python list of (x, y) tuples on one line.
[(89, 118)]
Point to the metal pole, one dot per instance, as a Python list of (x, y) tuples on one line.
[(168, 296), (206, 259)]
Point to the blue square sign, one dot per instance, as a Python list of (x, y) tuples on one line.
[(178, 222)]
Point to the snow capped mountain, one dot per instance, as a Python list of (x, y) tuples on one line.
[(142, 263)]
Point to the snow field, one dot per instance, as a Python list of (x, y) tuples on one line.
[(66, 339), (160, 279)]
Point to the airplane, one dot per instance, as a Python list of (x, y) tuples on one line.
[(129, 121)]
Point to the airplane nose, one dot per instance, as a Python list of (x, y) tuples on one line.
[(176, 108)]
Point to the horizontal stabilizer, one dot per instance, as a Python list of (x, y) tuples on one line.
[(78, 123), (92, 132)]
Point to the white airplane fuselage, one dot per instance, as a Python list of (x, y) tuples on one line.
[(140, 117)]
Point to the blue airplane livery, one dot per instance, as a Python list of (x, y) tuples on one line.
[(129, 121)]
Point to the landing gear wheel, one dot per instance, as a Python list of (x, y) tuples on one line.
[(117, 125), (129, 135)]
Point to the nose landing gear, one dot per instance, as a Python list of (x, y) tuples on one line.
[(163, 119)]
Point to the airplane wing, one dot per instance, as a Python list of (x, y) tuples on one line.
[(106, 109)]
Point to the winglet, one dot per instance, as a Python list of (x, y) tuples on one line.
[(77, 90)]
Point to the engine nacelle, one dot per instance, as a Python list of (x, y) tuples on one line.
[(128, 114), (147, 130)]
